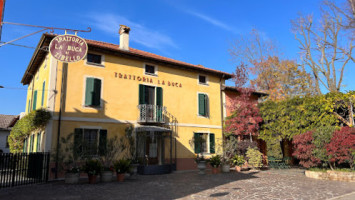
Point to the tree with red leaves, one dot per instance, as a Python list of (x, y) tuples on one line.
[(342, 146), (303, 145), (245, 119)]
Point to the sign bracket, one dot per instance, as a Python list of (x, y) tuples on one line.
[(43, 28)]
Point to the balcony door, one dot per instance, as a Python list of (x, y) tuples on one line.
[(151, 101)]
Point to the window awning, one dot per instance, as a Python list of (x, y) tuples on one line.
[(152, 128)]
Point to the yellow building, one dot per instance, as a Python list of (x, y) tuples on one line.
[(168, 102)]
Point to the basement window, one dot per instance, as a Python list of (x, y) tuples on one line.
[(94, 59)]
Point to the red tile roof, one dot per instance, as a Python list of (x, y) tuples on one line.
[(114, 48)]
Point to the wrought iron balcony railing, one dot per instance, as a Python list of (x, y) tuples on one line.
[(151, 113)]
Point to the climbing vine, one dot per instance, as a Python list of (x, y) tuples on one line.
[(35, 120)]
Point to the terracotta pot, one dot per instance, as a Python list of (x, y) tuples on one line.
[(92, 179), (215, 170), (120, 177), (238, 168)]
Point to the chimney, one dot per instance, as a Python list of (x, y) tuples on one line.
[(124, 37)]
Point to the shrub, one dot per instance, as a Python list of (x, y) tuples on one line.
[(238, 160), (274, 149), (321, 137), (254, 157), (341, 147), (215, 161), (242, 146), (304, 150), (122, 166), (92, 167)]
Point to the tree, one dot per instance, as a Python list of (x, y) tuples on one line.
[(304, 150), (325, 49), (277, 76), (341, 146)]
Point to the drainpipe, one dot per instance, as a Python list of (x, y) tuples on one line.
[(222, 106), (62, 93)]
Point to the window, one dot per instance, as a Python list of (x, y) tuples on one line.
[(43, 90), (94, 59), (7, 142), (90, 141), (150, 69), (93, 92), (204, 142), (202, 79), (34, 104), (31, 142), (203, 105), (25, 146)]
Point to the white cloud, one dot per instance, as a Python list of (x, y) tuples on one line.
[(212, 21), (109, 23)]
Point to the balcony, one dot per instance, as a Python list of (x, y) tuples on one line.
[(151, 114)]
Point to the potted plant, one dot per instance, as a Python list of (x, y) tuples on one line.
[(201, 164), (215, 162), (109, 153), (92, 167), (132, 150), (122, 166), (197, 143), (229, 150), (238, 161), (72, 175)]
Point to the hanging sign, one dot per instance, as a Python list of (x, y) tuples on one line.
[(68, 48)]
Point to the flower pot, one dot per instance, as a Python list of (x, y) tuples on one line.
[(202, 167), (120, 177), (225, 168), (106, 176), (238, 168), (72, 178), (92, 179), (215, 170)]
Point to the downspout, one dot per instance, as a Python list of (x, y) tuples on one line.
[(222, 108), (62, 92)]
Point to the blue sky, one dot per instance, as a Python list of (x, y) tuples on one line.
[(198, 32)]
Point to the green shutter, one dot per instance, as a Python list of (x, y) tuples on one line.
[(34, 100), (78, 140), (159, 96), (207, 108), (159, 103), (97, 92), (102, 142), (89, 92), (38, 142), (43, 87), (31, 143), (212, 143), (29, 106), (197, 137), (141, 94), (201, 105), (25, 146)]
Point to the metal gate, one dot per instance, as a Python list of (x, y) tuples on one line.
[(23, 168)]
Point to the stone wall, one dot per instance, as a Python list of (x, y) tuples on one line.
[(332, 175)]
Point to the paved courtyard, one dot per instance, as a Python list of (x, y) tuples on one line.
[(271, 184)]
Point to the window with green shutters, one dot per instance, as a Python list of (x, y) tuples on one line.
[(34, 100), (93, 92), (43, 90), (201, 140), (203, 105), (90, 142)]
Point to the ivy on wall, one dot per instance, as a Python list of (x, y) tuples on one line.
[(35, 120)]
